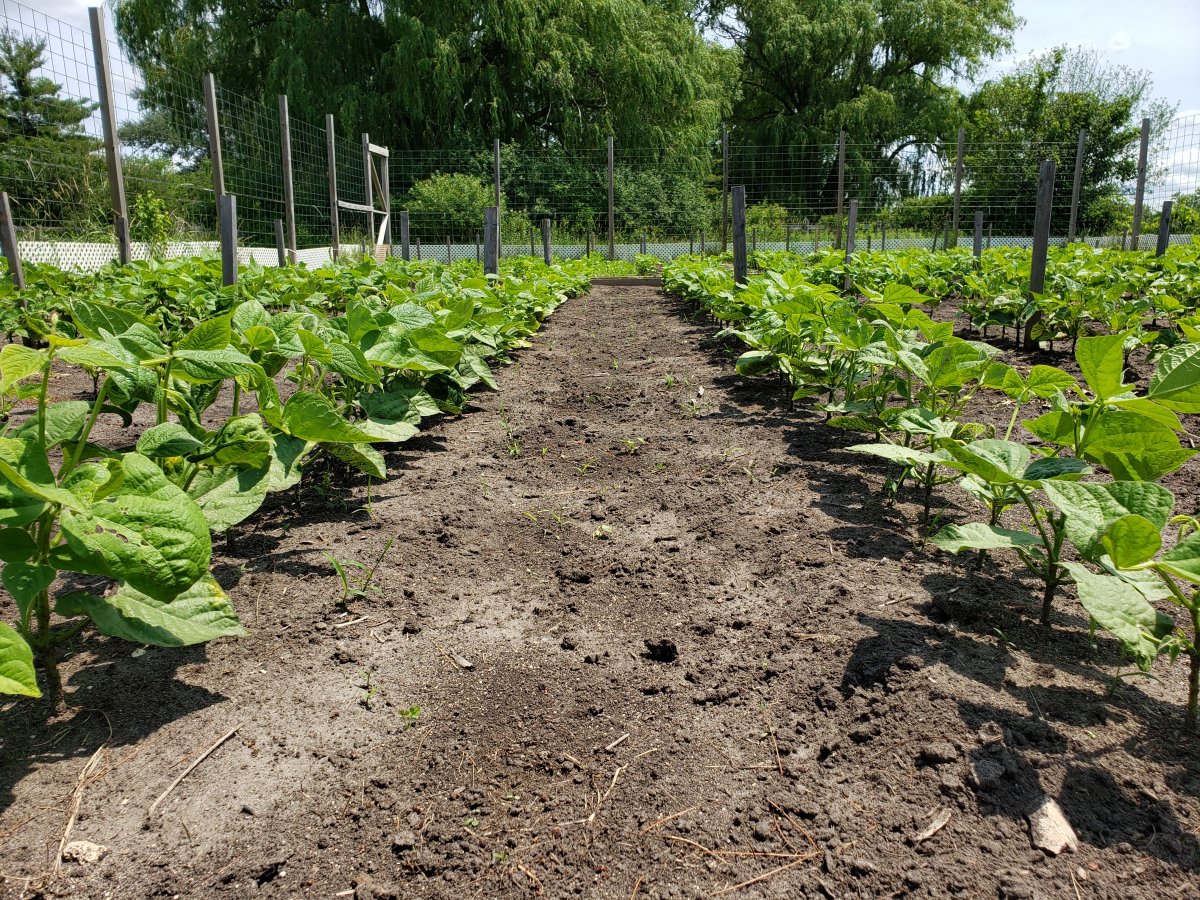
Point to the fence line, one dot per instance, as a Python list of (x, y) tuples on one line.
[(57, 178)]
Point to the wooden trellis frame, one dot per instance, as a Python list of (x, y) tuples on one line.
[(375, 176)]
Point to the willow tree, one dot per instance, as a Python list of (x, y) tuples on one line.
[(883, 70), (453, 74)]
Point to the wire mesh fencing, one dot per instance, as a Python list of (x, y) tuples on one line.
[(659, 201)]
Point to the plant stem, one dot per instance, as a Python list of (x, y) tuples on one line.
[(1194, 672), (71, 463), (237, 396)]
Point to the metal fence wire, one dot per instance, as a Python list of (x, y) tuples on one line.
[(54, 169)]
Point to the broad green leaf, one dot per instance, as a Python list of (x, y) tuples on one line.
[(1133, 447), (93, 318), (203, 366), (260, 338), (1046, 381), (1102, 361), (980, 536), (98, 355), (363, 457), (1120, 609), (1176, 381), (1151, 410), (241, 441), (18, 362), (461, 309), (435, 345), (314, 347), (412, 316), (756, 362), (1091, 508), (472, 369), (64, 422), (894, 452), (349, 362), (17, 675), (250, 314), (1056, 467), (16, 545), (1131, 541), (287, 461), (201, 612), (166, 440), (228, 495), (25, 581), (26, 482), (1184, 559), (1055, 427), (313, 418), (995, 461), (148, 533), (211, 334)]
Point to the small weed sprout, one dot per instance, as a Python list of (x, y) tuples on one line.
[(632, 445), (603, 533), (410, 716)]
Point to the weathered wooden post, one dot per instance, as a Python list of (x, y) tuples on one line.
[(612, 213), (214, 141), (547, 258), (724, 189), (851, 227), (289, 199), (418, 248), (112, 143), (280, 247), (532, 250), (691, 243), (369, 188), (739, 234), (478, 251), (703, 249), (754, 239), (882, 237), (1164, 228), (449, 255), (1124, 238), (405, 248), (817, 237), (642, 245), (335, 233), (977, 239), (1076, 185), (958, 178), (787, 237), (1041, 244), (491, 240), (989, 237), (841, 186), (1139, 198), (229, 241), (8, 242)]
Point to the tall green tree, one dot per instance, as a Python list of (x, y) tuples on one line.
[(883, 70), (452, 74), (48, 163), (1035, 112)]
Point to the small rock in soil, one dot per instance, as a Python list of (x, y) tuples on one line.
[(990, 734), (411, 628), (367, 888), (985, 773), (910, 663), (568, 644), (84, 852), (939, 752), (1049, 829), (663, 651), (403, 841)]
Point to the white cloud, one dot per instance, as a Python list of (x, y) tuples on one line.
[(1120, 40)]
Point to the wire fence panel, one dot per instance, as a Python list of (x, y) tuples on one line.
[(53, 166)]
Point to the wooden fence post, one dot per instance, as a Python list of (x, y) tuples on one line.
[(1041, 244), (112, 143), (958, 178), (692, 243), (739, 234), (841, 185), (1143, 150), (369, 187), (1076, 185), (405, 247), (702, 247), (977, 239), (229, 241), (449, 256), (335, 234), (546, 256), (289, 199), (214, 141), (478, 250), (418, 247), (817, 237), (882, 237), (280, 248), (491, 240), (724, 189), (754, 239), (1164, 228), (612, 214), (8, 241), (642, 246), (787, 237), (851, 227)]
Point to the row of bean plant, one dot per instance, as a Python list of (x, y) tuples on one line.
[(1074, 493)]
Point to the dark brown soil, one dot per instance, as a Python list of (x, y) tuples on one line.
[(709, 661)]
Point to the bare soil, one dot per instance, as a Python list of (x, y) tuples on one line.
[(666, 639)]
